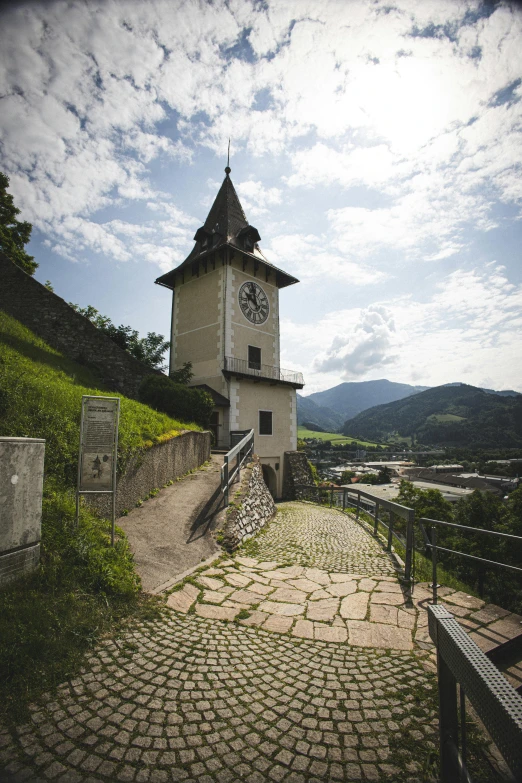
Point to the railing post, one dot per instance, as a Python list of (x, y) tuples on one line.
[(409, 545), (358, 506), (344, 500), (376, 525), (390, 532), (331, 498), (225, 479), (448, 723), (434, 563)]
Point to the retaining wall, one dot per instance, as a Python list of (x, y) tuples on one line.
[(252, 507), (52, 319), (153, 468), (297, 471)]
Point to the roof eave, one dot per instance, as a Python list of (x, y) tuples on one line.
[(168, 279)]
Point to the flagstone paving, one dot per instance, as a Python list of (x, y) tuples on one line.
[(264, 669)]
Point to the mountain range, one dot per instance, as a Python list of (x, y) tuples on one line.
[(329, 409), (451, 415)]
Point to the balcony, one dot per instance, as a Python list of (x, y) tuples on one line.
[(264, 372)]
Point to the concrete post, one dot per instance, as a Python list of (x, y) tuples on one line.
[(21, 486)]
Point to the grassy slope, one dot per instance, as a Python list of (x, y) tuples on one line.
[(83, 587), (337, 439)]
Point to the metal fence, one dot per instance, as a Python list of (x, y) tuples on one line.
[(499, 707), (241, 453), (245, 367), (431, 543), (345, 497)]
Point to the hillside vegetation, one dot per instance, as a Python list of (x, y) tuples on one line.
[(83, 586), (349, 399), (445, 416), (334, 437)]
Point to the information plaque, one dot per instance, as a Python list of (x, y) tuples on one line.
[(98, 449)]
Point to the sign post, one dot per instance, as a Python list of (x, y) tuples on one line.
[(98, 450)]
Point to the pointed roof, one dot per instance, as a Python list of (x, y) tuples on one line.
[(226, 216), (226, 225)]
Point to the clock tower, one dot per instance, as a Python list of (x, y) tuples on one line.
[(225, 320)]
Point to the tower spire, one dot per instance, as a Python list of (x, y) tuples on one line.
[(228, 169)]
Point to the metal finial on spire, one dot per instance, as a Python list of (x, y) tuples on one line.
[(228, 169)]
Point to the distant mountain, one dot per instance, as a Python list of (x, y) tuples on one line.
[(348, 399), (308, 411), (451, 415)]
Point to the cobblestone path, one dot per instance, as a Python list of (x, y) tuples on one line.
[(254, 675), (328, 540)]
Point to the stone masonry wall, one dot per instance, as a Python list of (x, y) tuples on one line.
[(252, 507), (297, 471), (153, 468), (51, 318)]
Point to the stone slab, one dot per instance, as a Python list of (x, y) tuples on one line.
[(213, 597), (367, 585), (208, 581), (342, 588), (256, 618), (246, 597), (509, 626), (216, 612), (278, 624), (466, 601), (306, 585), (304, 629), (182, 600), (384, 614), (390, 599), (322, 610), (288, 595), (354, 607), (316, 575), (237, 580), (488, 614), (386, 637), (327, 633), (318, 594), (247, 561), (283, 610)]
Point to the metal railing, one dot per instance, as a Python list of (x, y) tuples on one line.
[(498, 705), (344, 497), (262, 371), (431, 543), (241, 451)]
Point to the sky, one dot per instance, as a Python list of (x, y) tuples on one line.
[(376, 146)]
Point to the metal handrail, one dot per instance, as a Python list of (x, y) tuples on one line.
[(498, 705), (394, 509), (432, 544), (256, 370), (246, 445)]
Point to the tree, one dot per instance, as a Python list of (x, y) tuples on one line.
[(184, 375), (347, 476), (14, 234), (149, 349)]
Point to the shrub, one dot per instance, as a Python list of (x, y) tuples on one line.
[(176, 400)]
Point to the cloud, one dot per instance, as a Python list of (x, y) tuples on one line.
[(368, 347)]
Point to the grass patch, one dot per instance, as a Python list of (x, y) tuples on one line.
[(83, 589), (335, 437)]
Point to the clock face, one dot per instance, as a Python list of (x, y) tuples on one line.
[(253, 303)]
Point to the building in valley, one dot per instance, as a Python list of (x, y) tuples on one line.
[(225, 321)]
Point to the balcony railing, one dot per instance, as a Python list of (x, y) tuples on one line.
[(263, 371)]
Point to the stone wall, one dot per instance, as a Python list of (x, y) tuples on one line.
[(252, 506), (297, 471), (21, 485), (153, 468), (51, 318)]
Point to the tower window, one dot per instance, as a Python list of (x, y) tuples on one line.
[(254, 358), (265, 422)]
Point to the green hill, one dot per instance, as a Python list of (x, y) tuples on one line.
[(83, 587), (445, 416)]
